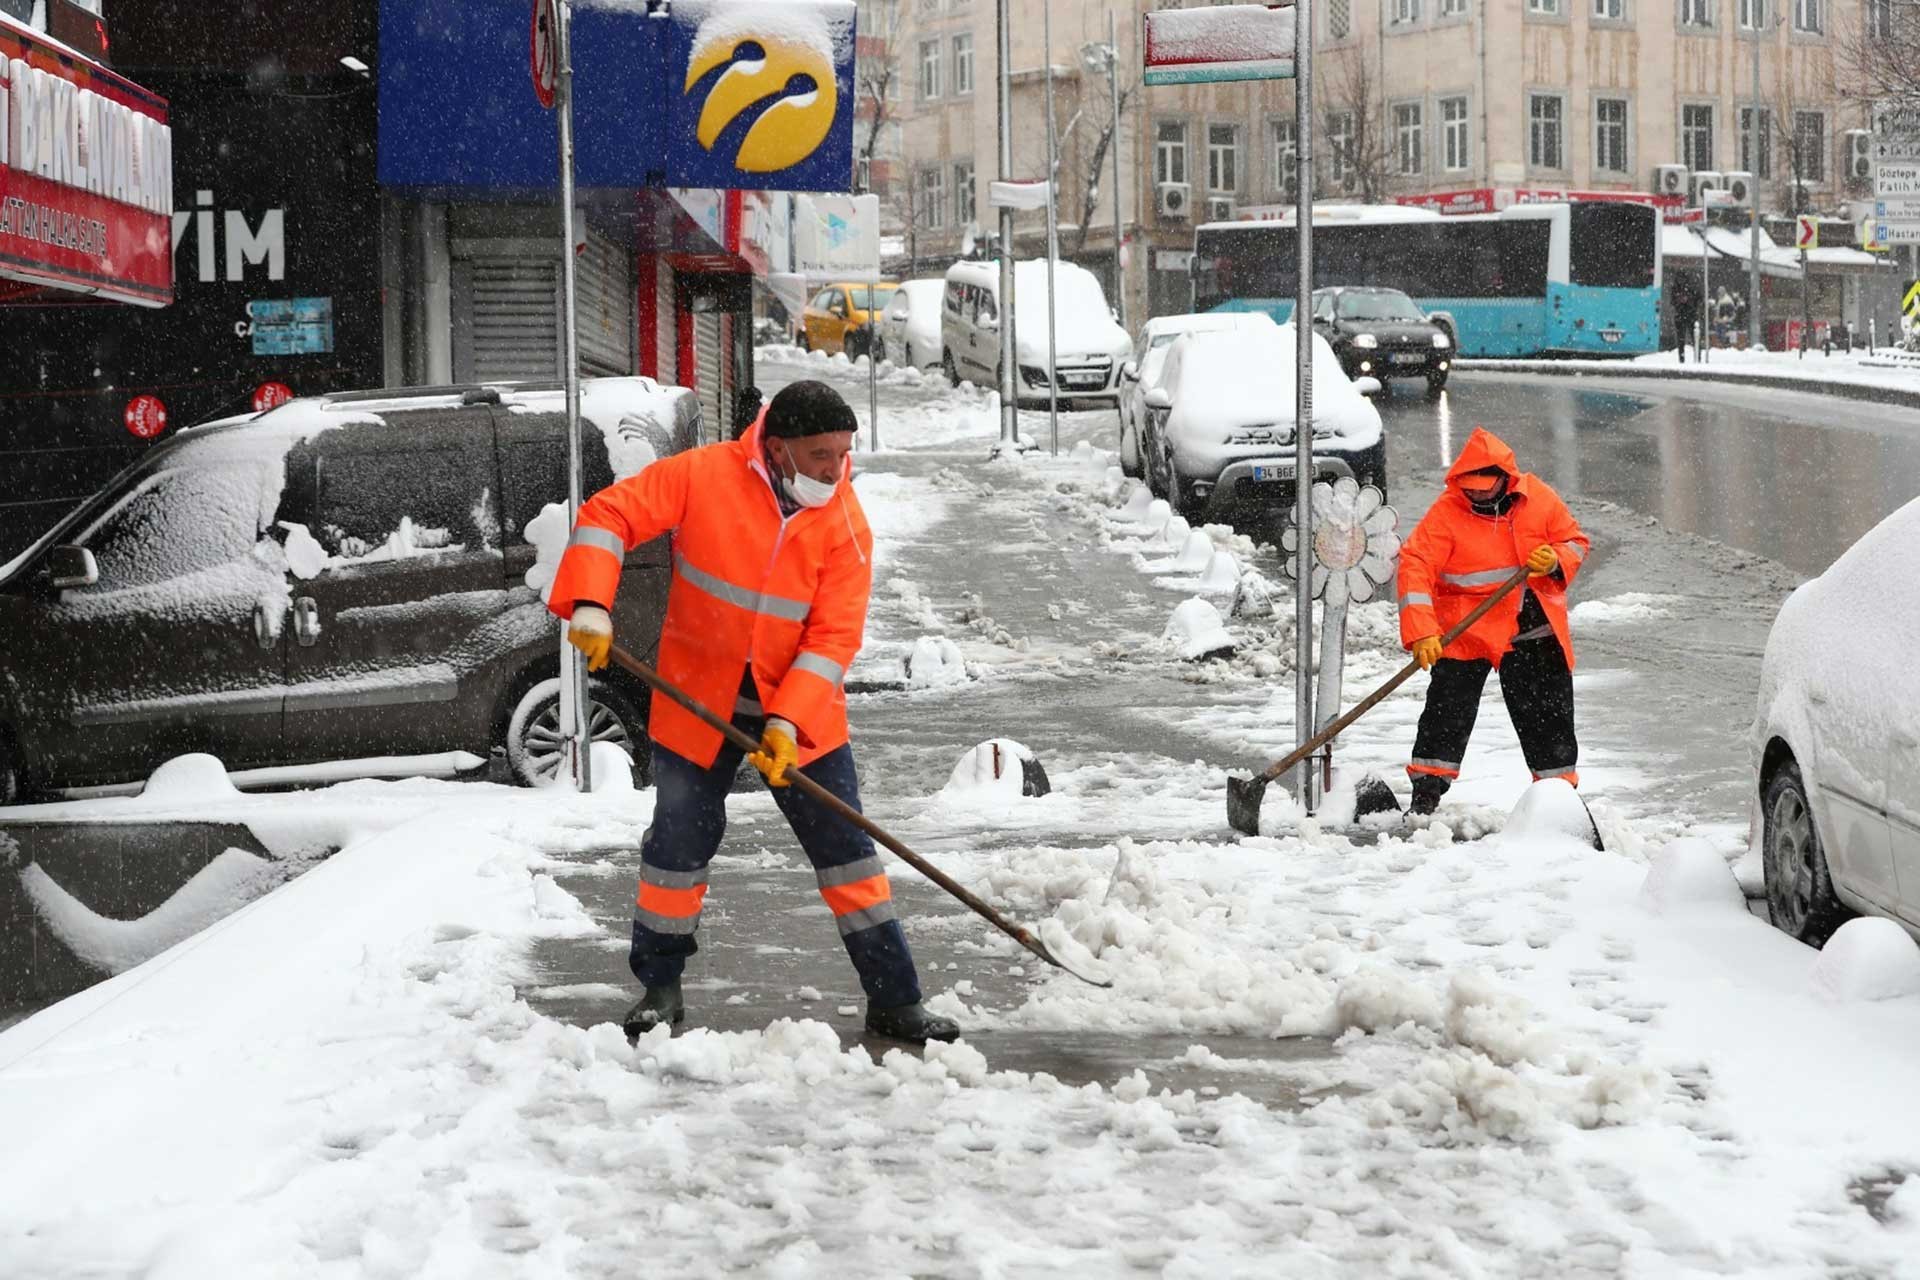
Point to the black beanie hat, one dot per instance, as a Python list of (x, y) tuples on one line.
[(808, 409)]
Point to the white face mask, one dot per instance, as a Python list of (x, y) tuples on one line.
[(803, 488)]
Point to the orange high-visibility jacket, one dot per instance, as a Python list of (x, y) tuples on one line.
[(789, 595), (1455, 558)]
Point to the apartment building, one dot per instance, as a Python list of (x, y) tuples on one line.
[(1412, 97)]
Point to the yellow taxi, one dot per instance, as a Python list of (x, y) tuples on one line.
[(844, 317)]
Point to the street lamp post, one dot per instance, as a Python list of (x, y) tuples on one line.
[(1009, 431), (1303, 718), (1053, 234)]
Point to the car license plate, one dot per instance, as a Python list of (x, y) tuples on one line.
[(1408, 357), (1272, 471), (1084, 380)]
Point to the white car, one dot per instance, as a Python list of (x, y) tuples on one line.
[(910, 329), (1091, 344), (1836, 741), (1220, 423), (1141, 371)]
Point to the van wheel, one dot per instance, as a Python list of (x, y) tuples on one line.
[(533, 732), (1800, 897), (9, 771), (952, 372)]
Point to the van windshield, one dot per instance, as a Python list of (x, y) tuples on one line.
[(863, 296)]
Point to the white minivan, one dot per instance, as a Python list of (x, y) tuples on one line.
[(1091, 345)]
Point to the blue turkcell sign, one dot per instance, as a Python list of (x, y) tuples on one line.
[(722, 94)]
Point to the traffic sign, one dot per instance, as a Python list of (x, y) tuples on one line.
[(1869, 233), (1902, 179), (1911, 301), (146, 416), (1898, 209), (543, 52), (1897, 232), (270, 395), (1806, 232)]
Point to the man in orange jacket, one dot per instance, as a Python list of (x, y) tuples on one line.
[(1491, 519), (772, 565)]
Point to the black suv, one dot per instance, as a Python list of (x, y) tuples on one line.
[(1380, 333), (338, 578)]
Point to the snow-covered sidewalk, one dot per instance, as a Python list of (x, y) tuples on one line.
[(1888, 376)]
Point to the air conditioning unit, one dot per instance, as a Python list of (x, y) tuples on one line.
[(1739, 189), (1859, 155), (1704, 181), (1220, 208), (1174, 199), (1670, 180)]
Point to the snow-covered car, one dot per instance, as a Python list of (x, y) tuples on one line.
[(1836, 741), (1140, 372), (342, 578), (910, 329), (1090, 342), (1220, 423)]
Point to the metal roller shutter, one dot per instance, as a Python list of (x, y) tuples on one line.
[(603, 307), (710, 356), (506, 318), (665, 342)]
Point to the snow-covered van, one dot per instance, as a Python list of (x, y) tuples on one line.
[(1090, 343), (348, 578)]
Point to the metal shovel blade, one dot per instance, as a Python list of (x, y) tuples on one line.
[(1243, 804)]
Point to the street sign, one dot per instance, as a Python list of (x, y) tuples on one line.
[(1910, 302), (1894, 148), (1897, 232), (146, 416), (1902, 179), (543, 52), (1896, 131), (1806, 232), (1217, 43), (1898, 209), (1869, 233)]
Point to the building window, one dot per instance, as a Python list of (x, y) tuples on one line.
[(1545, 114), (1809, 16), (933, 198), (1408, 134), (1610, 135), (1339, 19), (1758, 163), (1880, 19), (1404, 12), (1453, 8), (963, 64), (1696, 136), (1810, 145), (1696, 13), (1223, 157), (962, 192), (1340, 148), (1610, 10), (1455, 152), (1545, 8), (929, 68), (1285, 154), (863, 174), (1752, 14), (1170, 151)]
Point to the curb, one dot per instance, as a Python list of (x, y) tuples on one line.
[(1841, 390)]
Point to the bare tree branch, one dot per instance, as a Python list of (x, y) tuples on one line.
[(1095, 165), (1367, 154), (1879, 52)]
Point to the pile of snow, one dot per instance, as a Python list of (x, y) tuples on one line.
[(1551, 809), (1867, 959), (547, 533), (1222, 575), (934, 663), (1630, 606), (1001, 768), (1196, 630), (1689, 876), (189, 779), (1196, 551), (612, 769), (232, 879)]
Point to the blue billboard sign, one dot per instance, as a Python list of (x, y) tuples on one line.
[(754, 94)]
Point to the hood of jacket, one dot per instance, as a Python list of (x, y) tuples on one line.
[(1484, 449)]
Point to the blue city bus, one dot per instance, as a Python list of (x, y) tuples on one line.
[(1533, 280)]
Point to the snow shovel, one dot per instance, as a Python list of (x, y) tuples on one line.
[(745, 742), (1244, 794)]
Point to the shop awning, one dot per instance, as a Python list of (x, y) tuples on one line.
[(1678, 241), (1781, 264)]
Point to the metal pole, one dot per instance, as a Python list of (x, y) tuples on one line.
[(873, 374), (1053, 237), (576, 712), (1303, 399), (1753, 207), (1706, 299), (1113, 97), (1009, 431)]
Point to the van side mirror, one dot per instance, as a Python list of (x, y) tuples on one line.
[(72, 567), (1129, 369), (1159, 398)]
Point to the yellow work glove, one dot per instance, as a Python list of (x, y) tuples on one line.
[(778, 753), (590, 630), (1426, 651), (1543, 561)]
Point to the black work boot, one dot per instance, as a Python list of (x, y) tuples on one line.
[(1426, 798), (660, 1004), (911, 1022)]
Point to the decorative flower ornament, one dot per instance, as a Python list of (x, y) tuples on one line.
[(1355, 543)]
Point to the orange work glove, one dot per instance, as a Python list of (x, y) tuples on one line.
[(778, 753), (1543, 561), (591, 632), (1426, 651)]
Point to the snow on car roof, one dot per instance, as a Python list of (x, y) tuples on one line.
[(1195, 322), (1240, 377)]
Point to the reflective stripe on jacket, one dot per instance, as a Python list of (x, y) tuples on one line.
[(1456, 557), (788, 594)]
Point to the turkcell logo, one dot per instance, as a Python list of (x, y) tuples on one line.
[(766, 94)]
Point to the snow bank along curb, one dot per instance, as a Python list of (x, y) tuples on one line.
[(1878, 393)]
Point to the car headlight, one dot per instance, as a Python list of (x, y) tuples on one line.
[(1442, 341), (1260, 435), (1365, 341)]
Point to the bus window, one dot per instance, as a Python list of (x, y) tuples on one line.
[(1611, 245), (1525, 244)]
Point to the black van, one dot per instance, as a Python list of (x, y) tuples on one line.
[(341, 578)]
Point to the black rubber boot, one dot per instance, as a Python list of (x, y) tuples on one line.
[(660, 1004), (1426, 797), (912, 1023)]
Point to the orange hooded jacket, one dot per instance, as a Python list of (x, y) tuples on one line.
[(1455, 558), (787, 594)]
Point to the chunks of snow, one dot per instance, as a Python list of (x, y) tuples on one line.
[(1139, 502), (1195, 552), (934, 663), (1551, 808), (305, 556), (232, 879), (1222, 575), (1632, 606), (1196, 630), (612, 768), (193, 777), (1867, 959), (1174, 532), (1001, 767), (548, 533), (1689, 876)]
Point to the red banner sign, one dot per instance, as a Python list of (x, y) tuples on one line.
[(1494, 199), (86, 175)]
